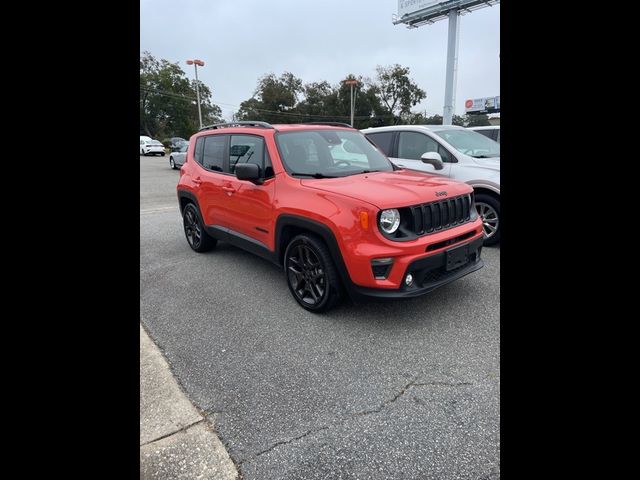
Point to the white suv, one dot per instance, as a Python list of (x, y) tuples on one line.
[(453, 152)]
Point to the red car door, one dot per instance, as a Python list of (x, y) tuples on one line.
[(249, 207)]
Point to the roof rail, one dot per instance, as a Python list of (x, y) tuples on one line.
[(241, 123), (333, 124)]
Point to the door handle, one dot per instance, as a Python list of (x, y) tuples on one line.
[(229, 190), (197, 181)]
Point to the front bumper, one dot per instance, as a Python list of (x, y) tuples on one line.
[(429, 273)]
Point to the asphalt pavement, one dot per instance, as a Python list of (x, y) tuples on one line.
[(400, 389)]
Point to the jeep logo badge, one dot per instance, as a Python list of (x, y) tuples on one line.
[(441, 194)]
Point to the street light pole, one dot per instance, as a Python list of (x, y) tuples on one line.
[(195, 66), (353, 103)]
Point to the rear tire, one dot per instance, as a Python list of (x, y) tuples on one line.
[(488, 208), (162, 154), (311, 274), (197, 237)]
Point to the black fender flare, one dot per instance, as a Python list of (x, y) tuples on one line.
[(186, 194), (320, 229)]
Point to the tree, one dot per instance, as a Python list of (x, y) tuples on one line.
[(273, 100), (168, 104), (481, 120), (396, 91)]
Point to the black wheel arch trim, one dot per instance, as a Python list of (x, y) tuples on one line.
[(186, 194), (324, 232)]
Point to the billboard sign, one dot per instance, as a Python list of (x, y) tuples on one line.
[(482, 105), (406, 7)]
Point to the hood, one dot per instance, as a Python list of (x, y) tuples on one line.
[(490, 163), (391, 189)]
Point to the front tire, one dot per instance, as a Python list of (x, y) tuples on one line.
[(199, 240), (172, 163), (162, 154), (311, 275), (488, 208)]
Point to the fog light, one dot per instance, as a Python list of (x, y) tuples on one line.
[(408, 280)]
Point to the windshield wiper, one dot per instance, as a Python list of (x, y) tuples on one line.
[(313, 175)]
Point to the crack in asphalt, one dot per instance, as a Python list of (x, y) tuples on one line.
[(283, 442), (388, 402), (412, 383)]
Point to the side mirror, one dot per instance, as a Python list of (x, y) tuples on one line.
[(434, 159), (248, 171)]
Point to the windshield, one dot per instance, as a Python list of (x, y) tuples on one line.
[(471, 143), (329, 153)]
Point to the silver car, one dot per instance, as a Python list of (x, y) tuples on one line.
[(453, 152), (176, 160)]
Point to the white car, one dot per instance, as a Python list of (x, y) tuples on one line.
[(150, 146), (492, 132), (453, 152)]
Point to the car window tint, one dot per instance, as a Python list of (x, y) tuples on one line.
[(214, 152), (383, 140), (413, 145), (198, 151), (486, 133), (246, 149)]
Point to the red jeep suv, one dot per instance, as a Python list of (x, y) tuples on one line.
[(322, 202)]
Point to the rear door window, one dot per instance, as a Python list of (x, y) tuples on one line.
[(383, 140), (213, 155)]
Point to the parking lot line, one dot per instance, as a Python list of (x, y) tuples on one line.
[(147, 211)]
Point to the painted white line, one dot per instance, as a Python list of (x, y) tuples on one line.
[(147, 211)]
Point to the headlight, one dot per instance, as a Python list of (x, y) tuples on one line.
[(389, 220)]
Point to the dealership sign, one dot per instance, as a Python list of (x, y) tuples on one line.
[(482, 105)]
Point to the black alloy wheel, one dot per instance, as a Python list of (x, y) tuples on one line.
[(311, 275), (198, 239)]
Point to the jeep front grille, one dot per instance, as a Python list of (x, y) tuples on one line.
[(441, 215)]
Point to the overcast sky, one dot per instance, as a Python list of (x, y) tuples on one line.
[(241, 40)]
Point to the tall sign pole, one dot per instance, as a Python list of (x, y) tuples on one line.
[(452, 68), (415, 13)]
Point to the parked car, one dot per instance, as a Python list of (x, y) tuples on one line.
[(453, 152), (176, 159), (174, 142), (151, 146), (358, 225), (492, 132)]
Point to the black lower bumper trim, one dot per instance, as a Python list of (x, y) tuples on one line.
[(429, 273)]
